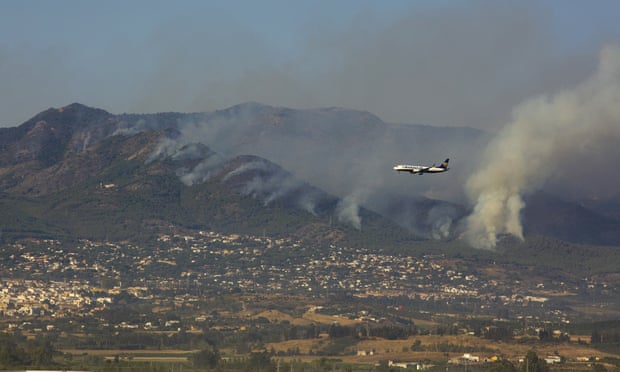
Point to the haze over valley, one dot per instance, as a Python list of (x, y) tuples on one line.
[(211, 185)]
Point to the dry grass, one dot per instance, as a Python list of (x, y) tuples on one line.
[(274, 316), (313, 317), (401, 349)]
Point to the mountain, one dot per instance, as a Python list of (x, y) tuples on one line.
[(122, 186), (609, 206), (323, 174), (347, 153), (548, 215)]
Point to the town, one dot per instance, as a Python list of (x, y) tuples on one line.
[(253, 292), (46, 277)]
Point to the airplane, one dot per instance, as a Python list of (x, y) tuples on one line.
[(421, 169)]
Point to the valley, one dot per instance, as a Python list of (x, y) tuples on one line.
[(126, 242)]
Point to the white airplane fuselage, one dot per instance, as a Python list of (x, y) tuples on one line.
[(421, 169)]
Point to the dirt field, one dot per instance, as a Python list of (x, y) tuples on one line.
[(329, 319)]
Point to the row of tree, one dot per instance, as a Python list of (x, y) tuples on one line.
[(16, 351), (605, 337), (210, 358)]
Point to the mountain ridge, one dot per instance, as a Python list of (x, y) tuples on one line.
[(344, 152), (114, 189)]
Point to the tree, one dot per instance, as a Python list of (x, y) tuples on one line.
[(417, 346), (544, 335), (499, 333), (41, 352), (533, 363), (260, 362), (503, 366), (205, 358), (10, 355), (337, 331)]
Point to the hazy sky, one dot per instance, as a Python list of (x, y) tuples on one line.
[(433, 62)]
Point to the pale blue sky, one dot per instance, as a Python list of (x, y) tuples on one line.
[(433, 62)]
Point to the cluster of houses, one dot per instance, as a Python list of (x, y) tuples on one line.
[(54, 298), (211, 261)]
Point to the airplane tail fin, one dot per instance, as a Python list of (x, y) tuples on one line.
[(445, 163)]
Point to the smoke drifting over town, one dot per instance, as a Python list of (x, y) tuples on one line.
[(550, 138)]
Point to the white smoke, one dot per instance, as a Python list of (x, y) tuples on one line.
[(166, 147), (270, 184), (545, 135), (308, 202), (269, 187), (201, 172), (439, 220), (179, 150), (86, 140), (347, 211)]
